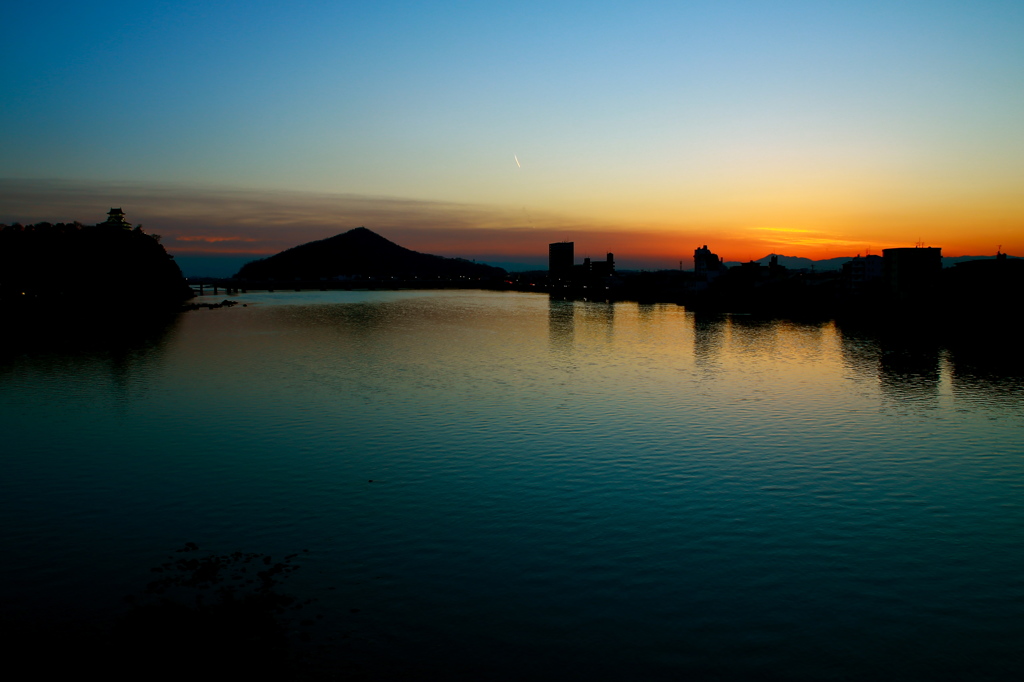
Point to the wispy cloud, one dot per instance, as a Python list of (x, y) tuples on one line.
[(783, 230), (211, 240), (245, 224), (227, 220), (792, 240)]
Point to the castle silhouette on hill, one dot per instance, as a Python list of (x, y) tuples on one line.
[(73, 265)]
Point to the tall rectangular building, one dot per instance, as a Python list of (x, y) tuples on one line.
[(560, 258)]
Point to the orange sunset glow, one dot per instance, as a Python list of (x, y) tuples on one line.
[(789, 128)]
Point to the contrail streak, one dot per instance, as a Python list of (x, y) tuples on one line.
[(517, 160)]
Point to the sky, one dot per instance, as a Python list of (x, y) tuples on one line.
[(486, 130)]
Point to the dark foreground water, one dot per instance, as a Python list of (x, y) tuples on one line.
[(499, 486)]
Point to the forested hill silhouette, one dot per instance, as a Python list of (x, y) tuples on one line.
[(80, 266), (361, 253)]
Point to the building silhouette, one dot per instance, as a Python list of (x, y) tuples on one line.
[(862, 272), (599, 268), (912, 274), (707, 265), (561, 266), (560, 259)]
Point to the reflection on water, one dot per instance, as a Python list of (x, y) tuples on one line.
[(918, 365), (980, 376), (907, 368), (561, 326), (506, 486), (708, 335), (124, 354)]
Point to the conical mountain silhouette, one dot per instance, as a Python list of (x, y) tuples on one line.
[(361, 252)]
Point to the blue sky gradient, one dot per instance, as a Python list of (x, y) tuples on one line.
[(850, 123)]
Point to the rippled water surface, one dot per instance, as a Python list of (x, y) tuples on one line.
[(501, 486)]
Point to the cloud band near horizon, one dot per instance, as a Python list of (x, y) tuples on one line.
[(210, 221)]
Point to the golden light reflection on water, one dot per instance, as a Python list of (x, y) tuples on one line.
[(461, 461)]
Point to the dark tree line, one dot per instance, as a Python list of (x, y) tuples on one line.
[(78, 265)]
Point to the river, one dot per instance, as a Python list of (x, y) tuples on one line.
[(502, 486)]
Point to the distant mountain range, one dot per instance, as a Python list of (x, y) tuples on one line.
[(798, 263), (361, 253)]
